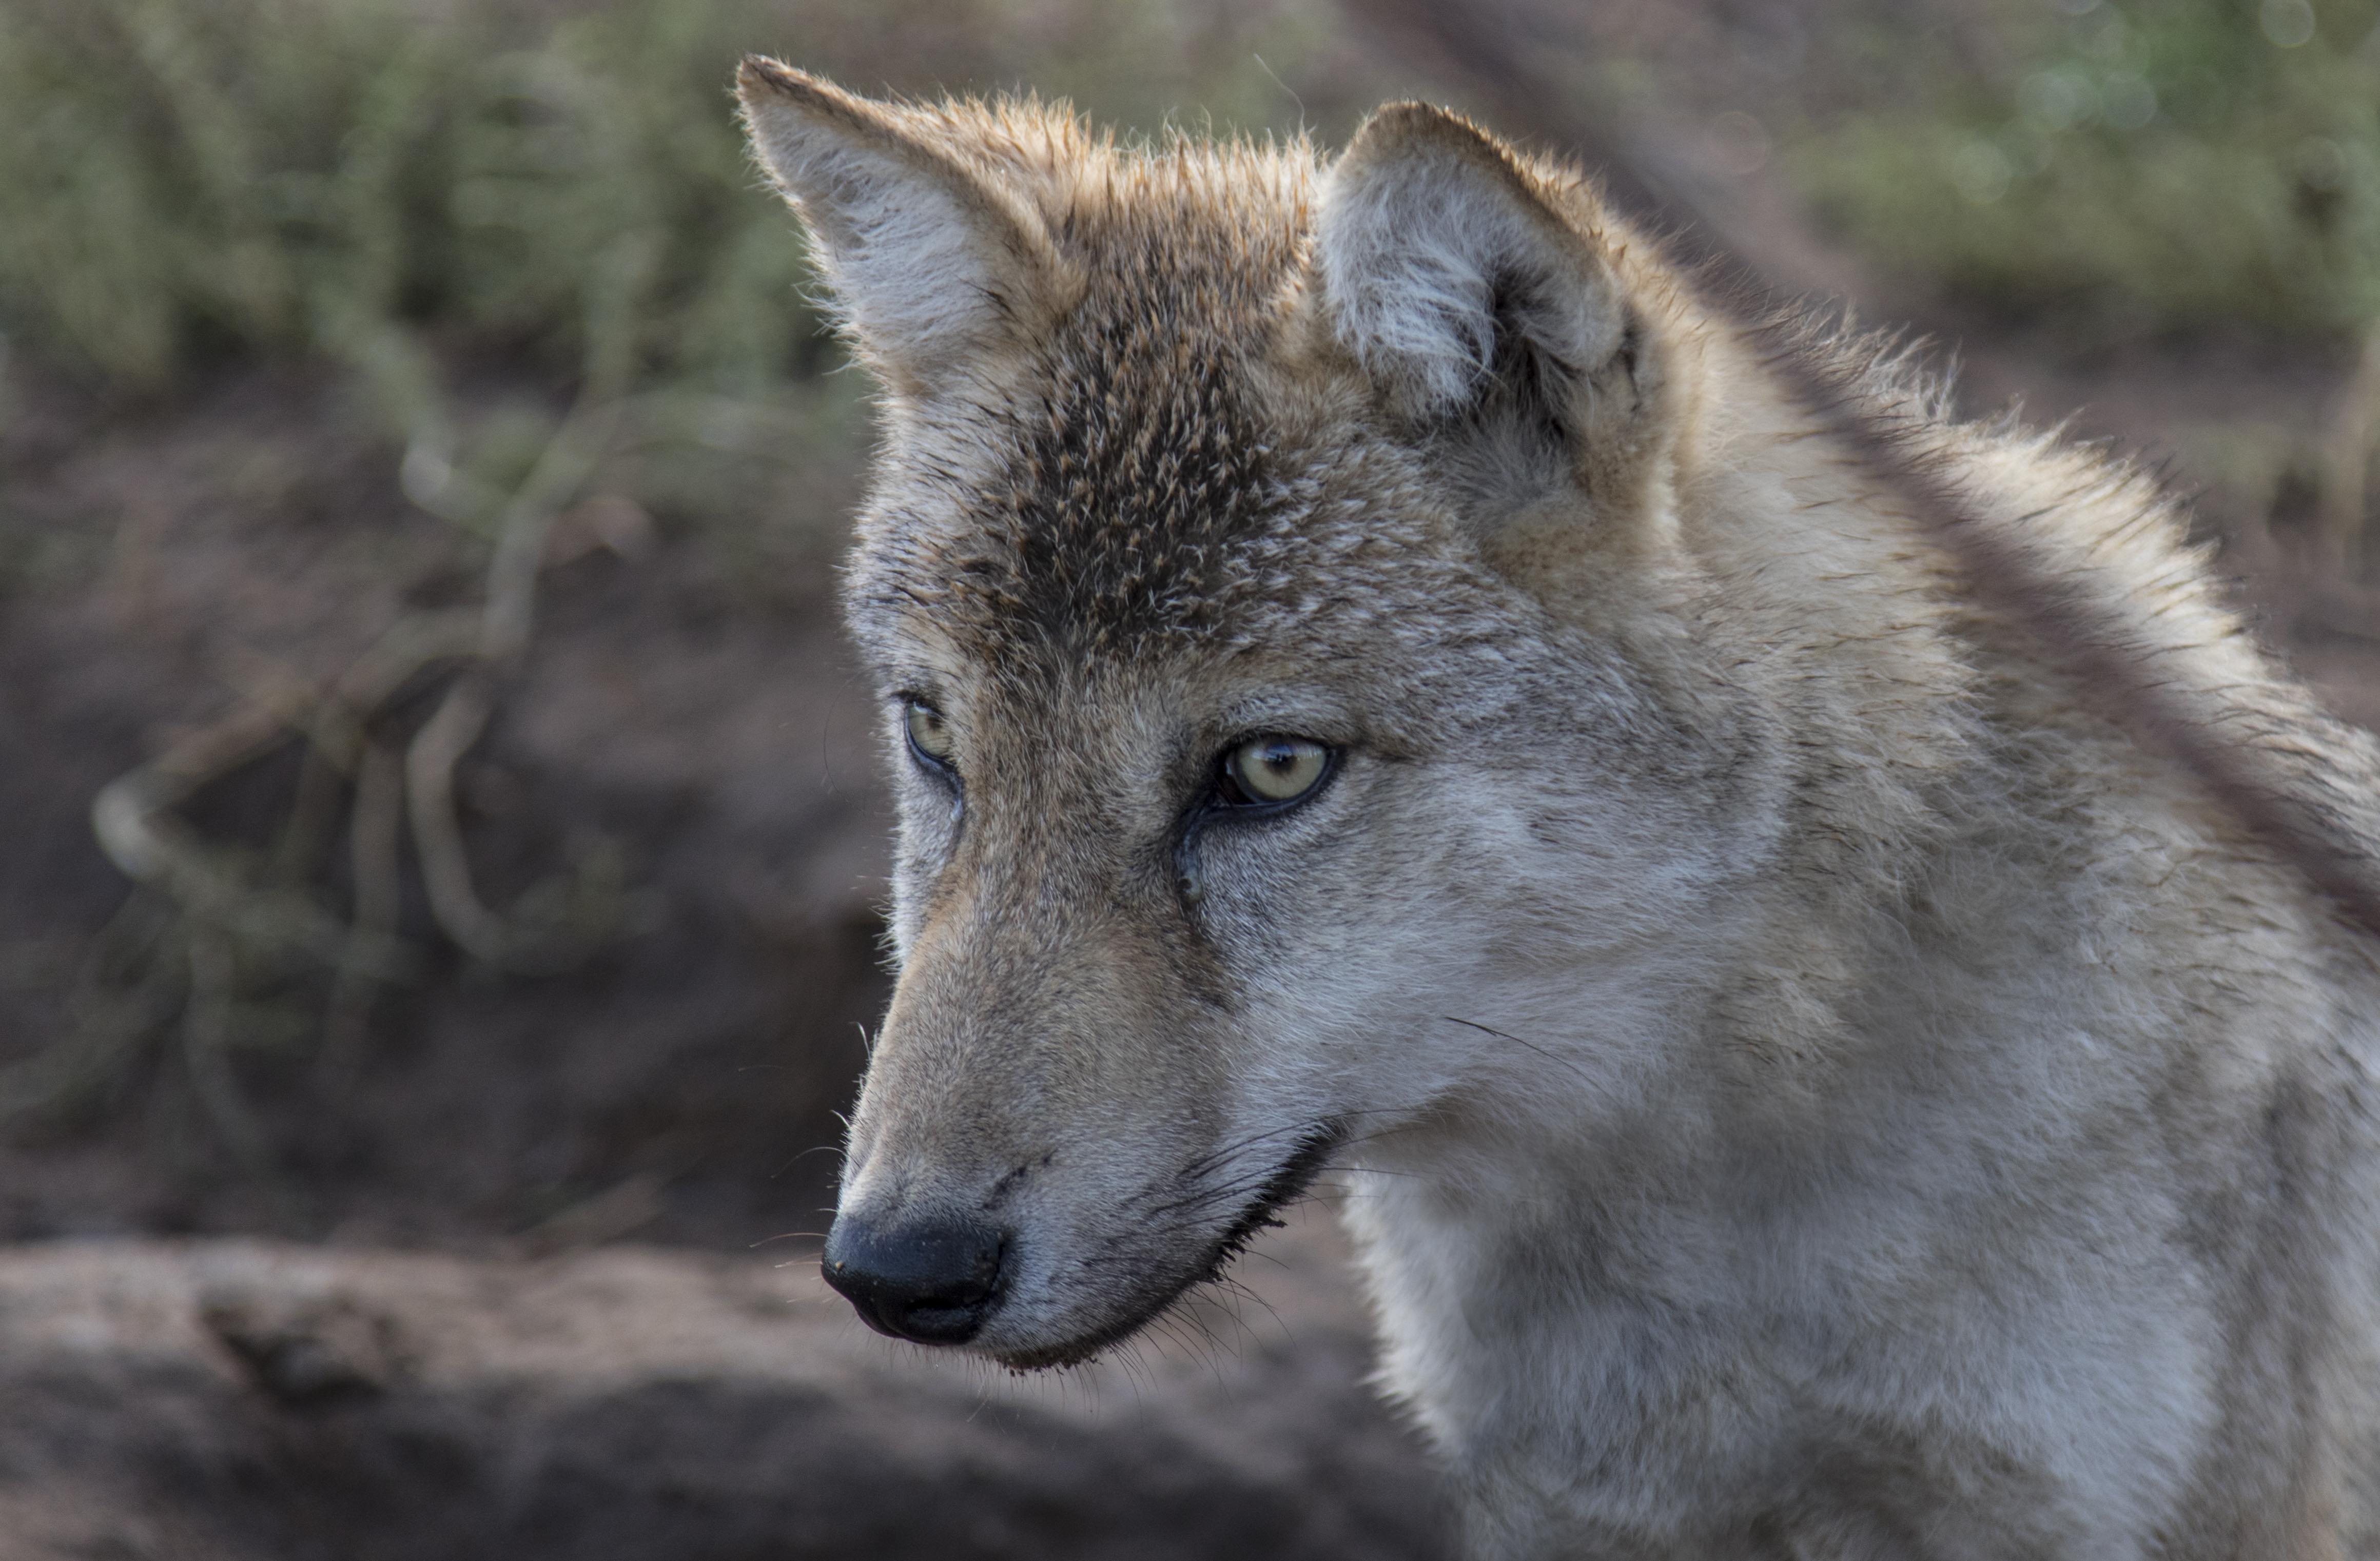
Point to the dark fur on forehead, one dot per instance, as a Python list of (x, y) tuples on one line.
[(1135, 474)]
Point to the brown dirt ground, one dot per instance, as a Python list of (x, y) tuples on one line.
[(239, 1400)]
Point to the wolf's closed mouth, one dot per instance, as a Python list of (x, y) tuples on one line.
[(1289, 1182)]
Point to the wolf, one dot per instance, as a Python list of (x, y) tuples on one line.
[(1384, 682)]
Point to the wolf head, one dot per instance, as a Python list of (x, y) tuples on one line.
[(1272, 583)]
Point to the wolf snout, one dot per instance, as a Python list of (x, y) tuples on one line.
[(930, 1281)]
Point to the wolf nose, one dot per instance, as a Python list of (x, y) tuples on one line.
[(928, 1282)]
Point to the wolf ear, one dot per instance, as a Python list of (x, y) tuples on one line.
[(930, 258), (1480, 300)]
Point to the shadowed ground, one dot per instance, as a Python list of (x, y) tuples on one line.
[(239, 1399)]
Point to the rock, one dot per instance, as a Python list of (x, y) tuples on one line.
[(201, 1400)]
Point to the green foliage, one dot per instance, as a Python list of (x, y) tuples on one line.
[(182, 182), (2153, 165), (179, 182), (477, 209)]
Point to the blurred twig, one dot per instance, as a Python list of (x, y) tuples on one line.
[(374, 860), (2347, 464), (134, 820), (503, 631), (225, 913)]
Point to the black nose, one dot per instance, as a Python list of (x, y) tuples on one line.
[(931, 1281)]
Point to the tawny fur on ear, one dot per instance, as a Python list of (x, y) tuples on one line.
[(1497, 310), (1433, 240), (929, 258)]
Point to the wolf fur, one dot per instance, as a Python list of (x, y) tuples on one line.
[(1804, 1082)]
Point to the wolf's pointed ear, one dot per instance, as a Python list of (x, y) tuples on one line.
[(930, 258), (1481, 301)]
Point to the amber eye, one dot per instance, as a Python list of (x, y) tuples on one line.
[(929, 734), (1274, 770)]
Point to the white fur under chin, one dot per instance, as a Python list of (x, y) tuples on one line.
[(1605, 1348)]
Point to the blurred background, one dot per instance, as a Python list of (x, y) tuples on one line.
[(435, 807)]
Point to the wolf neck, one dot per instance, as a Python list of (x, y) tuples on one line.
[(1944, 1001), (1828, 1109)]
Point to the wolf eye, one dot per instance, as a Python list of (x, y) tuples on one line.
[(1270, 771), (929, 734)]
